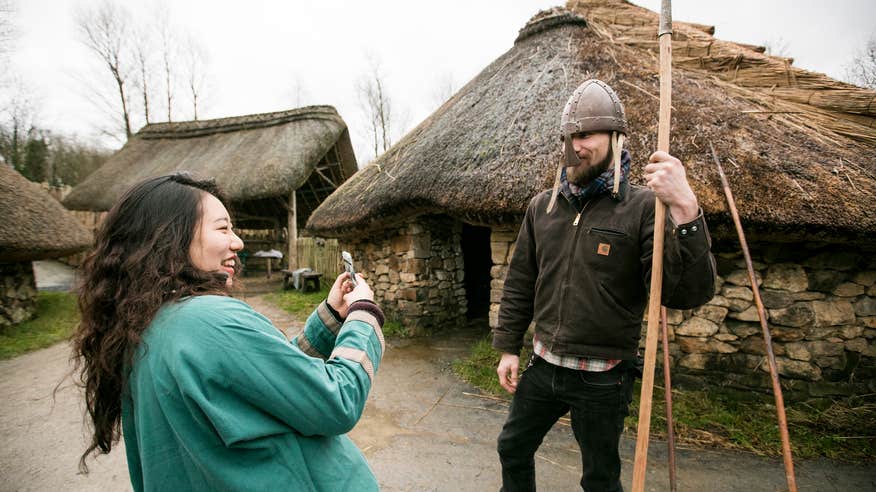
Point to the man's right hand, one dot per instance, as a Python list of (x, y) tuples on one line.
[(507, 371)]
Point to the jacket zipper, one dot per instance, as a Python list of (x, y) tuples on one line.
[(564, 286)]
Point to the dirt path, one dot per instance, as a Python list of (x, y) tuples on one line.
[(421, 431)]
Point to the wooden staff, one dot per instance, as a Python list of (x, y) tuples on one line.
[(774, 373), (667, 391), (665, 36)]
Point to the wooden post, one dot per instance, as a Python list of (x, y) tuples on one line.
[(667, 391), (664, 36), (767, 338), (292, 235)]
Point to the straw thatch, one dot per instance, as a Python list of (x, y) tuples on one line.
[(35, 226), (494, 144), (251, 157)]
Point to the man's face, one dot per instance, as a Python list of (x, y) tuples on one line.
[(593, 148)]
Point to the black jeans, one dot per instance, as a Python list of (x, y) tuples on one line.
[(599, 401)]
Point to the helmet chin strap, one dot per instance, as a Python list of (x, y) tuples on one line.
[(556, 189), (617, 144)]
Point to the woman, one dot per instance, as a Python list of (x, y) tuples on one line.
[(208, 394)]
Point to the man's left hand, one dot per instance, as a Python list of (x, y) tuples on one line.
[(666, 177)]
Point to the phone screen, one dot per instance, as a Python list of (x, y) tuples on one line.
[(348, 266)]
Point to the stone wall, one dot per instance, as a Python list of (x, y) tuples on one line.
[(821, 306), (820, 302), (18, 295), (502, 242), (416, 271)]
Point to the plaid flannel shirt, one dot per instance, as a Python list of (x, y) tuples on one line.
[(591, 364)]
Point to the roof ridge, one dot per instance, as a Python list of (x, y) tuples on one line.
[(197, 128)]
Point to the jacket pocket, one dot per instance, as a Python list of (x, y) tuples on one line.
[(607, 232)]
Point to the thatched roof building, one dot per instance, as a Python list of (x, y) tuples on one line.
[(254, 158), (798, 146), (440, 210), (275, 168), (35, 226)]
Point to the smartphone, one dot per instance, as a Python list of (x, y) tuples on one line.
[(348, 266)]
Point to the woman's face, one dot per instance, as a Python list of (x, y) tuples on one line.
[(215, 246)]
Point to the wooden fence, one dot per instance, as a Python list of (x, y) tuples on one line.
[(321, 255)]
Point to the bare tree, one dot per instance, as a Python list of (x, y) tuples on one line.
[(196, 64), (169, 54), (298, 93), (104, 31), (7, 28), (143, 45), (19, 116), (777, 47), (862, 69), (377, 106), (444, 89)]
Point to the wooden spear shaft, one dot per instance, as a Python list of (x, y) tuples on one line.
[(667, 391), (645, 399), (767, 338)]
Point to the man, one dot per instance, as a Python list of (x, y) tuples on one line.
[(580, 271)]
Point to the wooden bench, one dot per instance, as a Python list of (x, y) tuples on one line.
[(309, 281)]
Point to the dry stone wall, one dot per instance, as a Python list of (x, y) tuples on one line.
[(820, 303), (416, 271), (18, 302), (502, 241)]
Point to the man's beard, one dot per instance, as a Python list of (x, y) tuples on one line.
[(591, 172)]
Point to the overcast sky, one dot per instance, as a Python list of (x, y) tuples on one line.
[(272, 55)]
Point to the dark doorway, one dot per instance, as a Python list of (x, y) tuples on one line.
[(477, 262)]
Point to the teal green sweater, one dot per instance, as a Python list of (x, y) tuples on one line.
[(218, 399)]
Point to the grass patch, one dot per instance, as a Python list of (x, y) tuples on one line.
[(55, 320), (479, 369), (843, 429), (298, 303), (393, 328)]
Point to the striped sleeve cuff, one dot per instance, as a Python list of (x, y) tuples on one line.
[(361, 339), (371, 319), (328, 319)]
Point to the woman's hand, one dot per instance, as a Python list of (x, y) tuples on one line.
[(362, 291), (343, 294), (335, 298)]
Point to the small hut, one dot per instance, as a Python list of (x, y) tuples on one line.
[(435, 218), (35, 227), (275, 168)]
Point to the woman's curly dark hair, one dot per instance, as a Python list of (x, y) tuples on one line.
[(140, 261)]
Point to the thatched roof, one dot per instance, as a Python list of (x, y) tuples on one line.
[(34, 225), (251, 157), (797, 157)]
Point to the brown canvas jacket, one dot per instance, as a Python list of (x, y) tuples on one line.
[(585, 284)]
